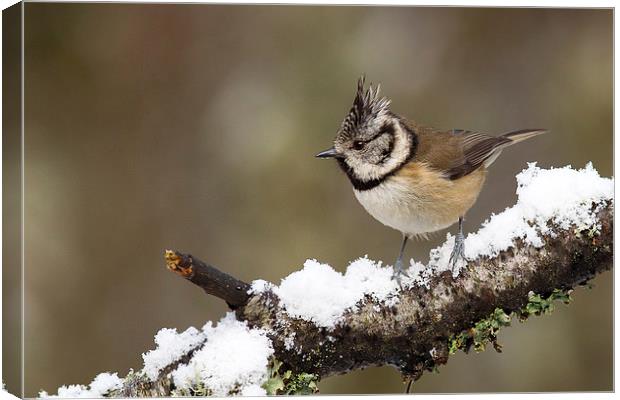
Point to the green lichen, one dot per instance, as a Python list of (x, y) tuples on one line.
[(485, 331), (537, 305), (302, 383), (289, 383)]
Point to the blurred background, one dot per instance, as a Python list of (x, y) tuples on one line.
[(193, 127)]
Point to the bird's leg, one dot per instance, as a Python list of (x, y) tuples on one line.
[(398, 266), (459, 246), (409, 386)]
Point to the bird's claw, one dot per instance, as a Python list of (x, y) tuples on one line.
[(399, 272), (458, 252)]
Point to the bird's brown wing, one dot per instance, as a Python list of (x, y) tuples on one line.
[(457, 152), (476, 148)]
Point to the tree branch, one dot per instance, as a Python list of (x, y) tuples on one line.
[(426, 323), (210, 279), (414, 334), (417, 333)]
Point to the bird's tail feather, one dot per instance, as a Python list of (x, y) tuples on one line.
[(523, 134), (508, 139)]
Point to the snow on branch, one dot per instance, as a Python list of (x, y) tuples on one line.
[(280, 339)]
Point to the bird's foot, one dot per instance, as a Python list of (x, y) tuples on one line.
[(458, 252), (399, 272)]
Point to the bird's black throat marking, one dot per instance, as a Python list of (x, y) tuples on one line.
[(362, 185)]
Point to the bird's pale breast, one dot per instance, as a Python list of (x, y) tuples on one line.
[(418, 200)]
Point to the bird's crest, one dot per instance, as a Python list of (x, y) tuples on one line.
[(367, 105)]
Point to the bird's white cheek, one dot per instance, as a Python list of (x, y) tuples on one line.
[(366, 171)]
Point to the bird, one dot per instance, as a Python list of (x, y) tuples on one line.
[(413, 178)]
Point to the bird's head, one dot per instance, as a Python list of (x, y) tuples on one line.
[(372, 141)]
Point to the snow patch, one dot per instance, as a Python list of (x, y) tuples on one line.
[(320, 294), (289, 341), (101, 385), (253, 390), (260, 286), (234, 357), (171, 346)]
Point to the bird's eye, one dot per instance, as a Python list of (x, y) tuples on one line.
[(358, 145)]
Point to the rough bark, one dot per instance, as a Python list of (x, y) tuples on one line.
[(413, 335)]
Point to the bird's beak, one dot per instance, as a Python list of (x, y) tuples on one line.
[(329, 153)]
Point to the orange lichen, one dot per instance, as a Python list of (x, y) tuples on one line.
[(173, 261)]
